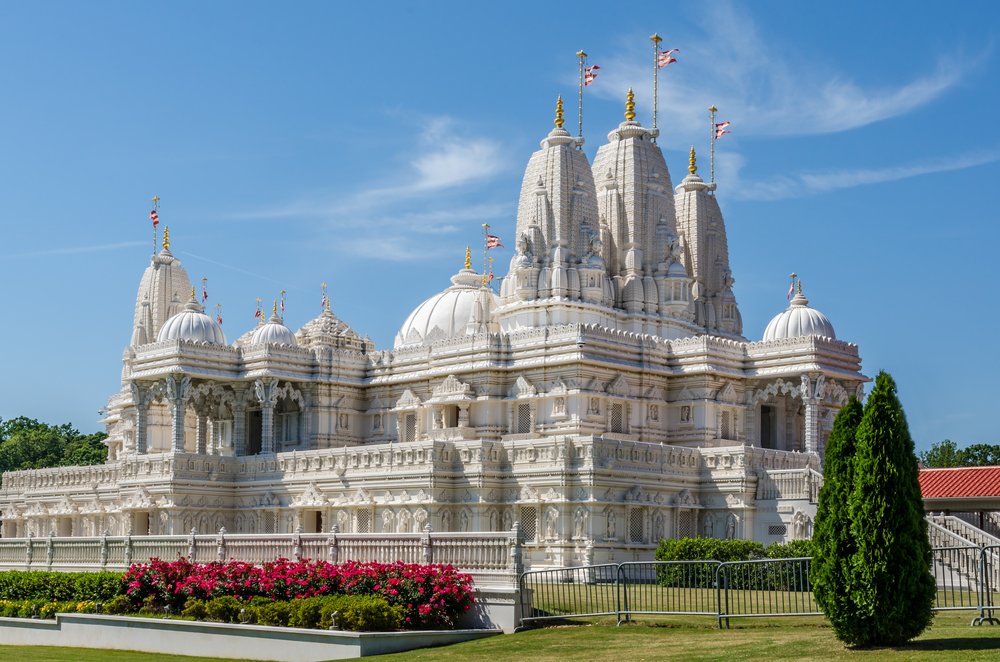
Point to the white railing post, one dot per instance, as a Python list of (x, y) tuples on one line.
[(425, 542), (128, 549), (30, 551), (104, 550), (516, 560), (220, 546), (192, 548), (334, 554), (297, 544), (49, 552)]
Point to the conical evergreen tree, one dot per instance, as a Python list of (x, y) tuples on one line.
[(833, 544), (890, 584)]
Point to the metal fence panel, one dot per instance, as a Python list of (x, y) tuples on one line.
[(669, 587), (990, 585), (569, 592), (957, 573), (767, 587)]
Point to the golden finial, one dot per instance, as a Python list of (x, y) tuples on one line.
[(468, 258), (166, 238), (275, 306), (630, 106), (192, 291), (800, 286), (559, 113), (692, 167)]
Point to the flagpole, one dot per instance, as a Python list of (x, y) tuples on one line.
[(486, 249), (156, 202), (713, 110), (656, 68), (282, 305), (218, 312), (581, 55)]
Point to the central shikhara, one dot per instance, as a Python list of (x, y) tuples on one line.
[(605, 399)]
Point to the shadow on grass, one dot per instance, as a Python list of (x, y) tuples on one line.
[(953, 644)]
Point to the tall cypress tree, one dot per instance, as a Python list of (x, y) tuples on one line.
[(833, 543), (890, 586)]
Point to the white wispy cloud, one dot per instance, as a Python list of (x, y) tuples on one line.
[(74, 249), (760, 89), (809, 183)]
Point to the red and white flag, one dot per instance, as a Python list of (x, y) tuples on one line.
[(257, 314), (589, 74), (493, 242), (219, 317), (665, 58), (791, 288), (282, 306), (720, 130), (204, 294), (322, 304), (153, 216)]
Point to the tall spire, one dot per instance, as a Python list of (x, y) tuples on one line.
[(166, 238), (559, 113), (692, 163), (468, 257), (630, 106)]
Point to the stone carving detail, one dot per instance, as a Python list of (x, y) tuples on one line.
[(522, 388)]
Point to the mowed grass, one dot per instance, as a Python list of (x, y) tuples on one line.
[(648, 639)]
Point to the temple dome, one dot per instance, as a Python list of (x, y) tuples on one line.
[(448, 314), (273, 333), (192, 324), (799, 320)]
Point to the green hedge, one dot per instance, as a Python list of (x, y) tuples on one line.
[(769, 576), (60, 586)]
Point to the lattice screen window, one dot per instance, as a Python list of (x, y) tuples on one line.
[(726, 425), (684, 524), (777, 530), (410, 427), (523, 419), (269, 524), (635, 525), (528, 522), (364, 521), (616, 418)]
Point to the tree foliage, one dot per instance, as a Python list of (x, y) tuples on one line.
[(832, 540), (947, 454), (26, 443), (890, 584)]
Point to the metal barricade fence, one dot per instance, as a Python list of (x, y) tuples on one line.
[(967, 578), (766, 587)]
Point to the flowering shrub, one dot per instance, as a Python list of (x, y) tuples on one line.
[(430, 596), (45, 610)]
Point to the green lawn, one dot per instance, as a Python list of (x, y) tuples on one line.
[(648, 640)]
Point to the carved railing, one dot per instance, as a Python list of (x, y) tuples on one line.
[(491, 558), (973, 534), (990, 521), (789, 484)]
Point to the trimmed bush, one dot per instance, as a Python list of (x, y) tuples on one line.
[(890, 586), (225, 609), (832, 537), (708, 549), (119, 606), (60, 586)]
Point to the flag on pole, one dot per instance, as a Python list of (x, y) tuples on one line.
[(791, 288), (153, 216), (322, 303), (590, 74), (664, 58), (256, 315), (720, 130), (204, 293), (219, 317), (493, 242)]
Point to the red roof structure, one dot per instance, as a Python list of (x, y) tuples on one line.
[(960, 482)]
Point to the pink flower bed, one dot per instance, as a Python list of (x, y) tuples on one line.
[(432, 595)]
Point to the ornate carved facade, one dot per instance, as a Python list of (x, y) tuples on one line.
[(606, 398)]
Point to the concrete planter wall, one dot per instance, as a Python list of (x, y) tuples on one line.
[(252, 642)]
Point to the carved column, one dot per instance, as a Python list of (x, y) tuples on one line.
[(177, 396), (305, 418), (201, 435), (812, 389), (141, 406), (240, 421), (267, 394)]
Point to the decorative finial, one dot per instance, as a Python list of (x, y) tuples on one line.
[(630, 106), (468, 258), (275, 306), (166, 238), (713, 109), (693, 166), (192, 292), (800, 286), (559, 113)]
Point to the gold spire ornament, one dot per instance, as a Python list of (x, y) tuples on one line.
[(192, 293), (800, 286), (692, 163), (166, 238), (630, 106), (559, 113), (468, 258), (275, 307)]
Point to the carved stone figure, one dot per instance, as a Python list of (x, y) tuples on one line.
[(658, 525), (559, 407), (465, 522), (508, 521), (550, 525), (686, 414), (578, 524), (494, 521), (446, 521), (611, 524), (709, 526), (731, 527), (654, 413)]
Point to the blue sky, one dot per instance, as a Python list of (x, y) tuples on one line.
[(364, 145)]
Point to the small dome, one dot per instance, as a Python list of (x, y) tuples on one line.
[(445, 315), (193, 324), (799, 320), (273, 333)]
